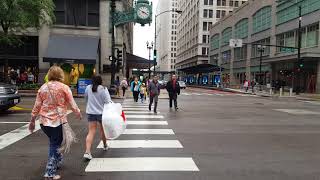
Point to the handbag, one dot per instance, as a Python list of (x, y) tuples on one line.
[(69, 137)]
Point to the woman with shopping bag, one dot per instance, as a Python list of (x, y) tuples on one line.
[(96, 96), (51, 106)]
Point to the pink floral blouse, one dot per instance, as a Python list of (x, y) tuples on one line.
[(54, 112)]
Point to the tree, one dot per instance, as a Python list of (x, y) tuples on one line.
[(17, 17)]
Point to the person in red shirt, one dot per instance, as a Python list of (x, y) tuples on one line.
[(173, 89)]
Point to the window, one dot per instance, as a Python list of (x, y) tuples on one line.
[(206, 2), (240, 53), (210, 13), (226, 56), (205, 13), (210, 2), (241, 29), (226, 36), (205, 26), (231, 3), (204, 51), (223, 13), (214, 42), (223, 3), (236, 3), (218, 2), (218, 14), (204, 39), (255, 52), (262, 19)]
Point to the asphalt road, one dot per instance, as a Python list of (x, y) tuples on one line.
[(221, 135)]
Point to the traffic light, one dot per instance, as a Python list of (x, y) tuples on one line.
[(119, 54), (155, 55), (301, 65)]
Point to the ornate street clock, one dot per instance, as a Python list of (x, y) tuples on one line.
[(143, 12)]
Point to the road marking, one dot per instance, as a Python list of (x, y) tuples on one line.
[(312, 102), (197, 94), (186, 94), (135, 109), (219, 94), (141, 164), (298, 111), (144, 117), (17, 108), (14, 122), (149, 131), (142, 144), (164, 123), (16, 135), (139, 112)]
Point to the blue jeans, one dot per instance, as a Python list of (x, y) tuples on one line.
[(55, 136)]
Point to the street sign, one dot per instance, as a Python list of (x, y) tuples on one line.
[(235, 43), (287, 50)]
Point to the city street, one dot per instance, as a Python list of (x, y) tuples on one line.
[(214, 135)]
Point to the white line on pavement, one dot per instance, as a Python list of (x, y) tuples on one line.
[(144, 116), (298, 111), (16, 135), (142, 144), (139, 112), (149, 131), (135, 109), (163, 123), (141, 164), (14, 122)]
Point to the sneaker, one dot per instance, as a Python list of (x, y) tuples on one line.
[(149, 108), (106, 148), (87, 156)]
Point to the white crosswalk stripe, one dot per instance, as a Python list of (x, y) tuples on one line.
[(138, 115)]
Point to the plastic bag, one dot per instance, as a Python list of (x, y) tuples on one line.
[(113, 120)]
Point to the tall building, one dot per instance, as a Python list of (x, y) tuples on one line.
[(166, 36), (274, 24), (194, 25), (79, 38)]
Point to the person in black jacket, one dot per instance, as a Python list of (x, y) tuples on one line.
[(173, 89)]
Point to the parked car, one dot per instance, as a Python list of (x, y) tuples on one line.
[(182, 84), (163, 84), (9, 96)]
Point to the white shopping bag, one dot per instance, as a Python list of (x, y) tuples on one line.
[(112, 120)]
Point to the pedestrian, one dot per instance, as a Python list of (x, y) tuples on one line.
[(30, 78), (253, 84), (51, 106), (246, 85), (173, 89), (124, 86), (154, 92), (143, 92), (135, 89), (96, 96), (24, 77), (117, 83)]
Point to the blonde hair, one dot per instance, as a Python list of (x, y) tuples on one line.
[(55, 73)]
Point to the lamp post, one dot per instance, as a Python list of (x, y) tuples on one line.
[(149, 47), (261, 49), (155, 35)]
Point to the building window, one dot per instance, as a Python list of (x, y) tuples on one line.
[(205, 26), (204, 51), (240, 53), (236, 3), (206, 2), (218, 2), (214, 42), (231, 3), (210, 13), (262, 19), (226, 36), (241, 29), (255, 51), (205, 13), (210, 2), (223, 13), (226, 56), (204, 39), (223, 3), (218, 14)]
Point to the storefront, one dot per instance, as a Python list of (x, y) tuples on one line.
[(77, 56), (199, 75)]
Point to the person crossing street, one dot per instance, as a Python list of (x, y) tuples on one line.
[(173, 89), (154, 92)]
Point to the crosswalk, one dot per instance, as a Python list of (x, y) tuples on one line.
[(217, 94), (138, 116)]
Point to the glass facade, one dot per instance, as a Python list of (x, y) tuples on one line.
[(240, 53), (287, 11), (215, 41), (262, 19), (226, 36), (241, 29), (254, 49)]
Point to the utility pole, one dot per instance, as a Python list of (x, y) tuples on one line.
[(261, 50), (150, 47), (113, 61), (299, 54)]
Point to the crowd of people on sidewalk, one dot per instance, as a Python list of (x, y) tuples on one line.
[(51, 110)]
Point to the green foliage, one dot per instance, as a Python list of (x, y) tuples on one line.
[(29, 86), (66, 67), (16, 16)]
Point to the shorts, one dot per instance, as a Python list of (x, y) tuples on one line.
[(94, 117)]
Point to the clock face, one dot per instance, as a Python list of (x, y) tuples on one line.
[(143, 12)]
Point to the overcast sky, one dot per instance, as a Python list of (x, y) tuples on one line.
[(144, 34)]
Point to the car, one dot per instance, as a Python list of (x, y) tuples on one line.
[(9, 96), (182, 84), (163, 84)]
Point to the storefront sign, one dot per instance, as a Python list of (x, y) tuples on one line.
[(82, 85)]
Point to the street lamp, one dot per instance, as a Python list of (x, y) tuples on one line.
[(155, 35), (261, 49), (149, 47)]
